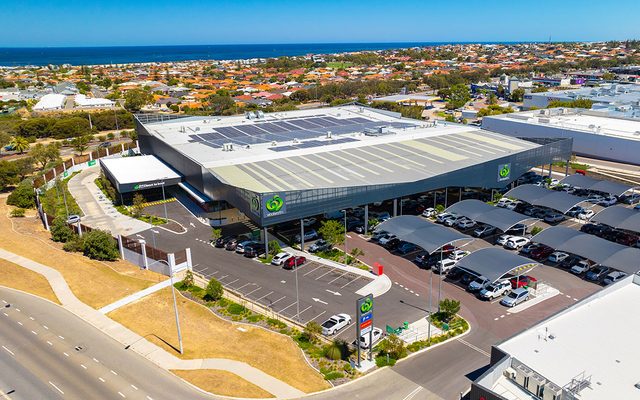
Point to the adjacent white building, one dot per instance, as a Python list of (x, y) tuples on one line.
[(82, 101), (50, 102), (602, 96)]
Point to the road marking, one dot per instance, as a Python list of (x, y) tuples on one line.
[(328, 272), (49, 343), (8, 351), (350, 282), (255, 290), (61, 337), (149, 398), (4, 301), (101, 380), (246, 284), (292, 304), (333, 292), (305, 309), (121, 395), (317, 316), (17, 309), (317, 300), (312, 270), (283, 297), (66, 355), (5, 314), (134, 386), (417, 294), (31, 318), (96, 360), (57, 388), (34, 332), (413, 393), (82, 365), (479, 350), (575, 299), (496, 318), (231, 283), (19, 323), (45, 327), (114, 372), (222, 277), (339, 277)]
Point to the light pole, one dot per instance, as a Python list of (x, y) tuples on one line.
[(175, 304), (153, 234), (345, 236), (295, 267), (164, 203)]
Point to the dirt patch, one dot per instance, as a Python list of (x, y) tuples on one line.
[(222, 383), (17, 277), (207, 336)]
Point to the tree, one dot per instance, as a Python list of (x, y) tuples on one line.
[(80, 143), (393, 346), (188, 280), (22, 196), (459, 96), (449, 308), (138, 205), (216, 233), (608, 76), (45, 154), (214, 290), (332, 231), (5, 139), (8, 174), (274, 247), (60, 231), (19, 144), (355, 253), (99, 245), (312, 331), (24, 167), (219, 104), (493, 99), (135, 99), (517, 95)]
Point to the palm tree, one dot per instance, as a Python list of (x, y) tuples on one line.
[(19, 144)]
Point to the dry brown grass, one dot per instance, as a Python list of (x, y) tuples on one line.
[(207, 336), (17, 277), (222, 383), (93, 282)]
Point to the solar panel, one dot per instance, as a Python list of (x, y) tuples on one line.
[(230, 132), (289, 126), (211, 136), (313, 143), (249, 130), (269, 127), (334, 120), (358, 120), (284, 126), (303, 124), (194, 138), (329, 122), (319, 121)]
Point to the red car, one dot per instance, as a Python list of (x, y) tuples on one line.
[(541, 252), (522, 281), (293, 262)]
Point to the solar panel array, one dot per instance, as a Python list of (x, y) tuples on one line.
[(285, 130), (313, 143)]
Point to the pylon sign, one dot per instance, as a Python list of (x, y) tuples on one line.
[(364, 313)]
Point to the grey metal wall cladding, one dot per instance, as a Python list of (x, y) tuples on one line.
[(619, 217), (480, 211), (494, 263), (586, 182)]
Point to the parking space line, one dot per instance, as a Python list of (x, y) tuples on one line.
[(350, 282), (328, 272), (305, 309), (281, 310), (318, 267), (246, 284), (283, 297), (338, 277), (231, 283), (254, 290), (317, 316), (222, 277), (260, 297)]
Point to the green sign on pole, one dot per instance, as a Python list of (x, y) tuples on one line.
[(91, 163)]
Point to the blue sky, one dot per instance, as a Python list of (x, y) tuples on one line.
[(155, 22)]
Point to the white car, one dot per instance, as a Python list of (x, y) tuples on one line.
[(503, 202), (516, 242), (444, 265), (575, 211), (595, 198), (335, 323), (581, 267), (557, 256), (585, 214), (429, 212), (452, 220), (442, 216), (503, 239), (376, 335), (457, 255), (478, 284), (495, 290), (608, 201), (554, 217), (512, 206), (615, 276), (280, 258), (386, 238), (73, 219), (466, 224)]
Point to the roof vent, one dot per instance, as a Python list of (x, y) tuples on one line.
[(274, 143), (197, 129), (227, 147), (249, 115), (328, 134), (295, 141), (377, 131), (260, 114)]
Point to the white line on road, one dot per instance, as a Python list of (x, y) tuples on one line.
[(96, 360), (5, 314), (317, 316), (34, 332), (283, 297), (65, 354), (305, 309), (8, 351), (114, 372), (57, 388), (49, 343), (413, 393), (45, 327), (19, 323), (17, 309), (101, 380), (255, 290), (260, 297), (231, 283), (328, 272), (479, 350), (339, 277), (350, 282), (31, 318), (121, 395), (4, 301), (312, 270), (246, 284), (134, 386), (61, 337), (149, 398), (292, 304), (82, 365)]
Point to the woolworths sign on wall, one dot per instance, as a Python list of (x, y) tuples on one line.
[(274, 204), (504, 172)]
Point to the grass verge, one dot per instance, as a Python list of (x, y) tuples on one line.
[(222, 383), (207, 336), (17, 277)]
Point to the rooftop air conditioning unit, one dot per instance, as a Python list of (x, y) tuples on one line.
[(274, 143), (182, 129), (551, 391), (197, 129), (544, 120), (536, 382), (510, 373), (227, 147), (328, 134), (249, 115), (523, 373), (259, 114), (377, 131), (295, 141)]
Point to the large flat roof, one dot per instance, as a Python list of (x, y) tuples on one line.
[(292, 151), (138, 169), (596, 336), (594, 122)]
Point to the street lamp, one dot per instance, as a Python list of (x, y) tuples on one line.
[(175, 305), (295, 267), (345, 236)]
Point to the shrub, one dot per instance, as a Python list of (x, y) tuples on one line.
[(274, 247), (17, 212), (60, 231), (255, 318), (214, 290), (99, 245), (276, 323), (333, 352), (74, 244), (110, 136), (535, 230), (236, 309), (188, 280), (312, 331), (393, 346), (439, 208), (333, 375), (449, 308), (383, 361), (22, 196)]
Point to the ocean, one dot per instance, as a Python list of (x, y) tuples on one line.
[(141, 54)]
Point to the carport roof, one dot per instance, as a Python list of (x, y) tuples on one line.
[(494, 263), (599, 250), (480, 211), (619, 217), (539, 196), (587, 182), (421, 232)]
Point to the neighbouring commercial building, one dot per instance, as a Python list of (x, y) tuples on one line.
[(606, 96)]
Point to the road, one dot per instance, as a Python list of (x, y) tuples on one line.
[(48, 353)]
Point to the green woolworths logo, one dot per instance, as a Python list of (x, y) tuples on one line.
[(136, 187), (275, 204), (366, 306), (504, 171)]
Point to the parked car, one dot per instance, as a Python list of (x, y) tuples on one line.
[(478, 284), (319, 245), (627, 239), (484, 230), (222, 241), (376, 334), (582, 267), (517, 229), (385, 238), (308, 235), (608, 201), (541, 252), (495, 290), (73, 219), (570, 261), (513, 205), (335, 323), (585, 214), (405, 247), (504, 202), (383, 216), (515, 297), (254, 250), (591, 228), (630, 198), (595, 198), (377, 235), (575, 211), (105, 144), (457, 255), (597, 273), (455, 273), (232, 244), (466, 223), (440, 218), (516, 242), (444, 265), (392, 243), (429, 212), (429, 260), (280, 258), (240, 247), (528, 248), (503, 239), (522, 281), (452, 220), (294, 262), (557, 257), (614, 276), (553, 218)]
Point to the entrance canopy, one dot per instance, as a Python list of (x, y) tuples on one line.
[(423, 233), (586, 182), (619, 217), (539, 196), (130, 174), (480, 211), (599, 250), (494, 263)]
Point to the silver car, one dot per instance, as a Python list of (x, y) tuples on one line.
[(515, 297)]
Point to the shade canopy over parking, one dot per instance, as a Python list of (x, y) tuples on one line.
[(586, 182), (423, 233), (494, 263), (619, 217), (596, 249), (480, 211), (540, 196)]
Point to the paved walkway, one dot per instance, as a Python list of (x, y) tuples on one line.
[(134, 297), (143, 347), (97, 209)]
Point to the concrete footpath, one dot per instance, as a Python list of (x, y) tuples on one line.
[(134, 297), (140, 345)]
